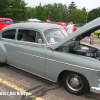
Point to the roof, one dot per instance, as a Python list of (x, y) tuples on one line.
[(31, 25), (5, 19)]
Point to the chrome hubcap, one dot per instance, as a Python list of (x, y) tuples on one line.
[(74, 82)]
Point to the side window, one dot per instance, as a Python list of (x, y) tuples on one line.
[(10, 34), (29, 36)]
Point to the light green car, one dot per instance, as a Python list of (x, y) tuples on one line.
[(46, 50), (97, 32)]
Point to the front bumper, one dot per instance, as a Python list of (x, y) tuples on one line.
[(95, 89)]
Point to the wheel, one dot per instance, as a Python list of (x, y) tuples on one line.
[(99, 35), (75, 83)]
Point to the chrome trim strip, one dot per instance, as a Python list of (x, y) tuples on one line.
[(95, 89), (31, 72), (59, 62), (23, 41), (31, 55), (29, 42), (71, 65)]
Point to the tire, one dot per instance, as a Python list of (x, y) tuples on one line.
[(99, 35), (75, 83)]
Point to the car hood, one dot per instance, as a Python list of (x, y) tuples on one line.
[(80, 33)]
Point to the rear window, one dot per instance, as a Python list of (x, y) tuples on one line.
[(10, 34), (6, 22)]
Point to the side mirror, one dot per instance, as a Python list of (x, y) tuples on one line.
[(39, 41)]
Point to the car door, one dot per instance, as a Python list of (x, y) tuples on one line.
[(28, 54)]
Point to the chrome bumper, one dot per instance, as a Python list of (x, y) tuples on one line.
[(95, 89)]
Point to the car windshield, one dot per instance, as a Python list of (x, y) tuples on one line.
[(53, 35), (6, 22)]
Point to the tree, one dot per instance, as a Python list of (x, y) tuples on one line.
[(40, 12), (93, 14), (31, 12), (57, 12), (65, 13), (84, 8), (72, 6), (56, 15), (4, 4), (14, 9), (49, 11), (77, 16)]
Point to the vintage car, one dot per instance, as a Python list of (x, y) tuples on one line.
[(5, 22), (46, 50), (62, 24), (65, 25), (97, 32)]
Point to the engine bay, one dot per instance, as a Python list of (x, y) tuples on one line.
[(75, 47)]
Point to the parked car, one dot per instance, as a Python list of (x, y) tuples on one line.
[(97, 32), (44, 50), (5, 22), (75, 28), (65, 24), (62, 24)]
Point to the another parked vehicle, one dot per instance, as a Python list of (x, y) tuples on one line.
[(65, 24), (62, 24), (44, 50), (5, 22), (97, 32)]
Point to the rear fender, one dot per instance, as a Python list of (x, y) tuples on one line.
[(3, 53)]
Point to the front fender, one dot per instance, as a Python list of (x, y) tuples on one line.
[(3, 53)]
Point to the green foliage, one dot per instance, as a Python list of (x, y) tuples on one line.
[(77, 16), (41, 13), (31, 12), (56, 12), (4, 4), (14, 9), (71, 6), (95, 13), (49, 10), (64, 13)]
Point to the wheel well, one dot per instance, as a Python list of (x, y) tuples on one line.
[(61, 75), (65, 71)]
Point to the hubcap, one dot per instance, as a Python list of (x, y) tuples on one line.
[(74, 82)]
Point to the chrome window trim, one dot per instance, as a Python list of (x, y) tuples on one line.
[(26, 42), (6, 39)]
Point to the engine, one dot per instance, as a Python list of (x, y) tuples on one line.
[(80, 49)]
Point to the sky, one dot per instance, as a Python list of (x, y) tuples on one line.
[(88, 4)]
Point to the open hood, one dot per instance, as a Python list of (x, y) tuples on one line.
[(80, 33)]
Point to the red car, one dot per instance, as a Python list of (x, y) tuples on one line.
[(5, 22), (62, 24), (65, 25)]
